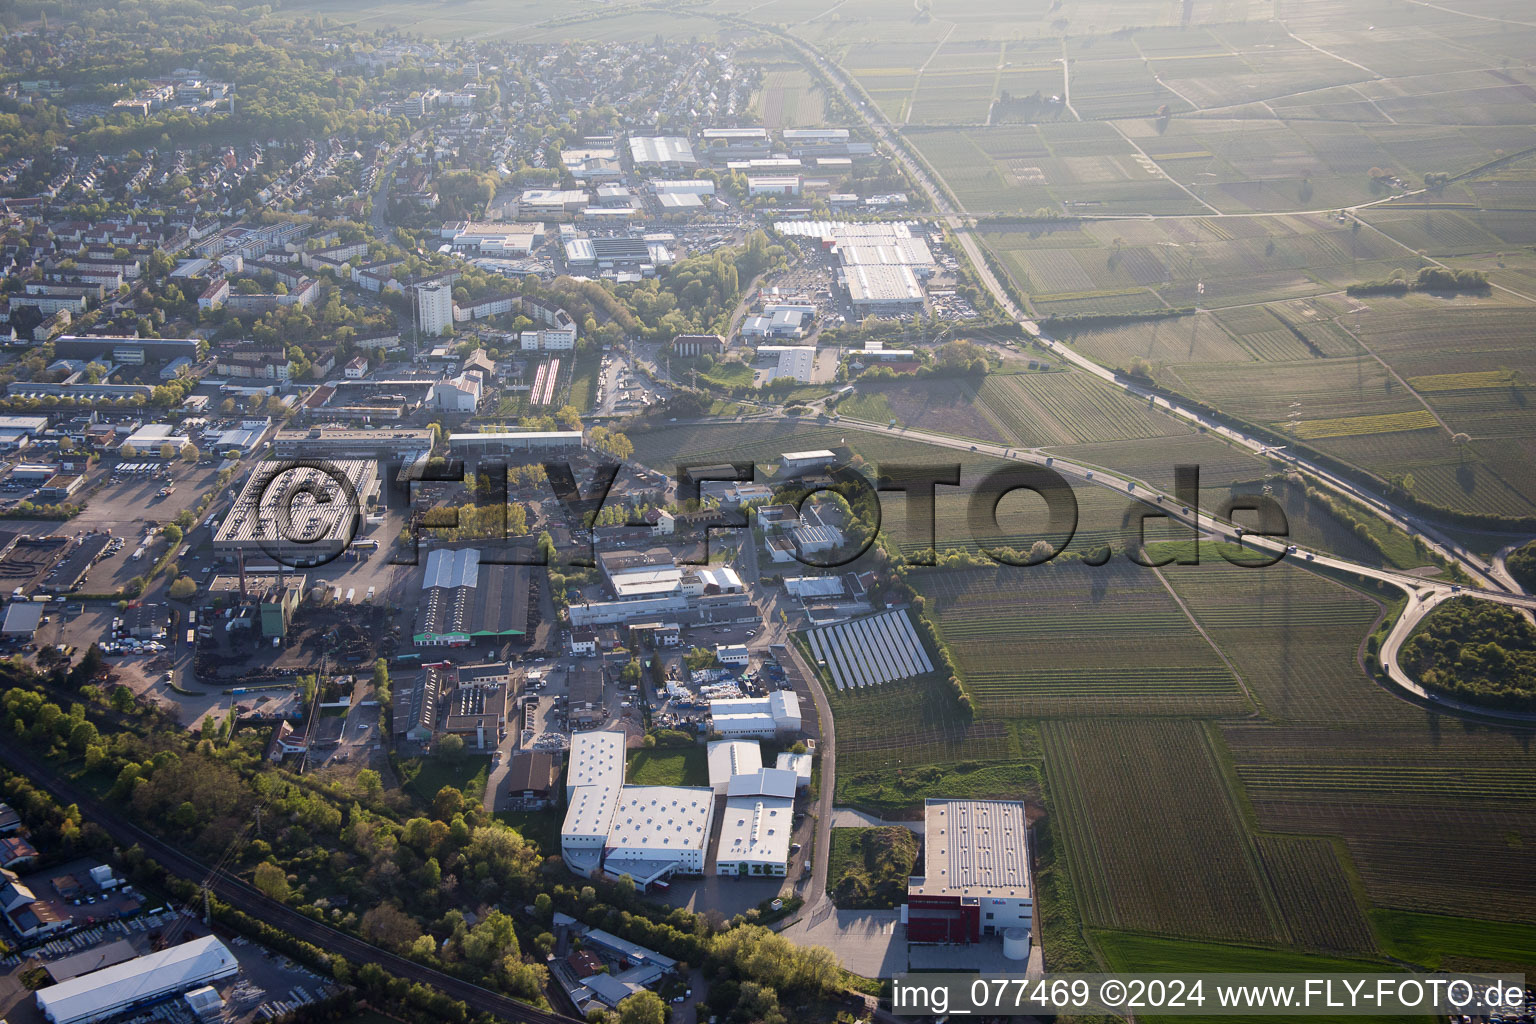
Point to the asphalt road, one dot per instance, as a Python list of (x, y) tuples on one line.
[(958, 220)]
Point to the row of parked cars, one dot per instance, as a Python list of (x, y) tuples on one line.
[(121, 643)]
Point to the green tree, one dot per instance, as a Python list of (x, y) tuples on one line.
[(183, 589), (644, 1007), (271, 880)]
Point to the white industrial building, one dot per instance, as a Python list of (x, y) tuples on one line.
[(775, 322), (595, 759), (594, 775), (729, 758), (646, 832), (732, 654), (806, 587), (684, 186), (137, 982), (757, 825), (776, 715), (661, 151), (457, 394), (774, 185), (797, 362), (877, 286), (800, 764), (658, 831), (976, 877), (592, 164), (795, 462)]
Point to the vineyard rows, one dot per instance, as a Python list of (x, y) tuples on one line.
[(1154, 839)]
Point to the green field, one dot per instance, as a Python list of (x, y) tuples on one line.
[(1026, 657), (1156, 839), (683, 766)]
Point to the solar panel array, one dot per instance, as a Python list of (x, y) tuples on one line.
[(870, 651)]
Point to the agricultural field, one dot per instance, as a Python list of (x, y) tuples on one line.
[(1027, 409), (1154, 835), (1061, 643), (871, 650), (1317, 901), (1069, 408), (791, 98), (946, 405), (1292, 636), (1228, 472), (913, 741), (1402, 798)]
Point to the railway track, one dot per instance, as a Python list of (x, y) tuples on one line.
[(249, 900)]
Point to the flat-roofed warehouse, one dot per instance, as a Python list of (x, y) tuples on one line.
[(975, 877), (407, 443), (299, 514), (661, 151), (509, 441), (137, 982), (465, 599), (882, 287)]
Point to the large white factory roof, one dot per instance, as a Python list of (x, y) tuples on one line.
[(875, 285), (107, 991), (779, 710), (452, 568), (756, 829), (590, 811), (596, 759), (732, 757), (894, 252), (661, 149), (655, 821), (647, 582), (842, 232), (975, 848), (772, 782)]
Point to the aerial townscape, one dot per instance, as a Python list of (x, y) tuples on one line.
[(684, 513)]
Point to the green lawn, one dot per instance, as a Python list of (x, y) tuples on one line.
[(589, 363), (1430, 938), (1135, 953), (422, 777), (678, 766), (728, 375)]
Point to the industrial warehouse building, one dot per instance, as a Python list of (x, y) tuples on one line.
[(465, 600), (757, 825), (776, 715), (975, 879), (299, 514), (661, 151), (405, 443), (646, 832), (137, 982), (509, 441)]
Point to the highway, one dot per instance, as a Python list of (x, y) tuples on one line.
[(252, 901), (958, 222)]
